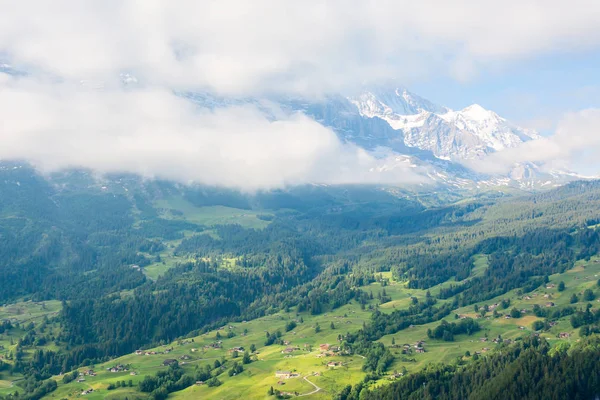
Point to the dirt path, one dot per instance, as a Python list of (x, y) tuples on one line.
[(317, 389)]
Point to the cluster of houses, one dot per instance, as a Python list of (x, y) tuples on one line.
[(87, 372), (286, 374), (395, 375), (239, 349), (496, 340), (90, 390), (418, 347), (547, 296), (290, 349), (118, 368), (327, 350), (215, 345), (152, 352)]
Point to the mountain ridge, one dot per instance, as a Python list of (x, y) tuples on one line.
[(465, 134), (398, 127)]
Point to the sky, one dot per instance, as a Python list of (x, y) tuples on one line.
[(534, 93), (532, 61)]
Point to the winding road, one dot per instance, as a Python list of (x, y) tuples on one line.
[(317, 389)]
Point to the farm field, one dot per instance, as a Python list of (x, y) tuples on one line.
[(29, 310), (179, 208), (22, 315)]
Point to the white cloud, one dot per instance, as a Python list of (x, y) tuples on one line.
[(155, 133), (574, 145), (239, 47), (291, 46)]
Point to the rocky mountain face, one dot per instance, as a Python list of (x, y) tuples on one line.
[(452, 135)]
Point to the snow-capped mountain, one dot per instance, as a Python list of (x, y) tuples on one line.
[(402, 128), (393, 102), (453, 135), (398, 128)]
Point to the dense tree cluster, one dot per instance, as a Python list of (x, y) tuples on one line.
[(446, 331), (526, 370)]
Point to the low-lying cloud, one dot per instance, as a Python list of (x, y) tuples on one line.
[(575, 146), (155, 133)]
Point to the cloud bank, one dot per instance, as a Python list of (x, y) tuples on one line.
[(574, 145), (243, 48), (155, 133), (310, 46)]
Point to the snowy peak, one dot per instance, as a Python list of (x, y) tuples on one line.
[(492, 131), (378, 101), (459, 135), (401, 129), (478, 113)]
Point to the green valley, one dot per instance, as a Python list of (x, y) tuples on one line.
[(181, 292)]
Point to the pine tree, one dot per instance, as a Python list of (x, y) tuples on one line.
[(574, 298), (588, 295)]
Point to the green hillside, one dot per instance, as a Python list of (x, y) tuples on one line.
[(93, 271)]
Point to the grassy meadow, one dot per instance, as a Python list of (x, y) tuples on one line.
[(257, 377), (179, 208), (22, 314)]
